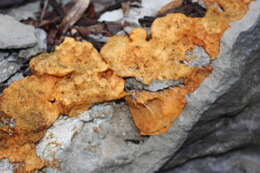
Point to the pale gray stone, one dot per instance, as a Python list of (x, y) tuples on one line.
[(40, 47), (131, 84), (24, 12), (198, 57), (6, 167), (104, 138), (15, 35), (7, 69)]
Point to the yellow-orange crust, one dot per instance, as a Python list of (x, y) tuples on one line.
[(86, 78), (76, 76), (153, 113), (67, 81)]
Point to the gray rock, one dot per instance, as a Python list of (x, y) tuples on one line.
[(158, 85), (200, 2), (225, 135), (29, 10), (3, 55), (8, 67), (132, 85), (198, 57), (6, 167), (15, 77), (245, 160), (232, 122), (15, 35), (102, 143), (40, 47), (106, 138), (10, 64), (147, 8)]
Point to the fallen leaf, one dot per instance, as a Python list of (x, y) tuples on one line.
[(171, 5)]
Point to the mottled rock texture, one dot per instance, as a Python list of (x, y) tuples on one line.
[(220, 117), (12, 60), (232, 91), (229, 143), (14, 35), (232, 122)]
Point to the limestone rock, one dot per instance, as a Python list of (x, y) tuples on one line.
[(14, 35), (105, 140), (239, 54), (230, 140), (8, 67), (40, 47), (29, 10), (11, 63), (6, 167)]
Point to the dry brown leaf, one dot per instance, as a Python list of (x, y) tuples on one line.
[(68, 80), (73, 15), (171, 5)]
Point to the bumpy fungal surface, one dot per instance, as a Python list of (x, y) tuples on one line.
[(134, 56), (75, 76), (28, 103), (86, 78), (153, 113), (66, 81)]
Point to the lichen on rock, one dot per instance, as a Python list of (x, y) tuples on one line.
[(75, 76), (153, 113), (67, 81), (86, 78)]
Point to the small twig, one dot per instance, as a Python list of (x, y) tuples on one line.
[(57, 8), (44, 9), (73, 15)]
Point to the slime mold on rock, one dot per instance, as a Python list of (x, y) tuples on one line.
[(75, 76)]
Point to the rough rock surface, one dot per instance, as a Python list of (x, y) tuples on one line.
[(227, 144), (11, 61), (235, 75), (8, 67), (6, 167), (107, 143), (24, 12), (15, 35), (103, 139), (232, 122)]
